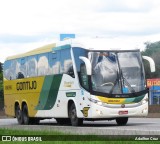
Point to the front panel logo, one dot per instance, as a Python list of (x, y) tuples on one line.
[(123, 106), (85, 111), (68, 84)]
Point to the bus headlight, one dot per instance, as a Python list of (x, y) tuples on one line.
[(97, 102), (93, 100), (145, 100)]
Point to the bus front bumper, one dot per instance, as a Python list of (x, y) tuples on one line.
[(126, 110)]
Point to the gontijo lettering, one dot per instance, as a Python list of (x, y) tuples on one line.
[(28, 85)]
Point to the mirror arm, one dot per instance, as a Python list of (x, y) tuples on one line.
[(151, 62)]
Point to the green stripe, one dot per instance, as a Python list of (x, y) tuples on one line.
[(135, 100), (138, 99), (49, 92), (67, 46), (53, 92)]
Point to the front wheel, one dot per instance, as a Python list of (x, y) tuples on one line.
[(122, 121), (75, 121)]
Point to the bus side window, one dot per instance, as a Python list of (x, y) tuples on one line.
[(54, 56), (70, 71), (54, 63), (43, 64), (66, 63), (32, 66), (20, 75)]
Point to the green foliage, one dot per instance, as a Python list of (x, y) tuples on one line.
[(152, 50), (1, 82), (0, 67)]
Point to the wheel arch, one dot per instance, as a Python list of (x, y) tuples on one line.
[(17, 103), (23, 103), (72, 114), (70, 102)]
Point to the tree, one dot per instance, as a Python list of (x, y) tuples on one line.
[(152, 50), (1, 82), (0, 67)]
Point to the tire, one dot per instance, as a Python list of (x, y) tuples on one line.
[(122, 121), (18, 114), (75, 121), (26, 118), (63, 121)]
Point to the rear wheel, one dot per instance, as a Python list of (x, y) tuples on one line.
[(75, 121), (18, 114), (122, 121), (26, 118)]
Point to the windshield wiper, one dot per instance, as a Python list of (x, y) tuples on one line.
[(126, 82), (120, 78), (115, 83)]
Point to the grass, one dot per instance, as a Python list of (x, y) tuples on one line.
[(4, 131), (62, 138)]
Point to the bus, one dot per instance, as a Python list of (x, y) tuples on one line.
[(72, 83)]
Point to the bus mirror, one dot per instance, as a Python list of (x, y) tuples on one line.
[(87, 63), (151, 62)]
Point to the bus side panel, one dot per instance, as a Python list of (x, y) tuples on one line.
[(69, 90), (56, 98), (22, 90), (9, 105)]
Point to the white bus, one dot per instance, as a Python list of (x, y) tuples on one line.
[(72, 83)]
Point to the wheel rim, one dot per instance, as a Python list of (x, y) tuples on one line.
[(73, 114), (18, 114)]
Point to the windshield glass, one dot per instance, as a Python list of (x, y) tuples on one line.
[(117, 72)]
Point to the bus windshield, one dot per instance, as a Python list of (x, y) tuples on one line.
[(117, 72)]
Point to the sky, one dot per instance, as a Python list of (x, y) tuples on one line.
[(28, 24)]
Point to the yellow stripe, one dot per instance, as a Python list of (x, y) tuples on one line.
[(46, 48), (111, 100)]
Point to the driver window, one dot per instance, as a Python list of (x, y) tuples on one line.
[(83, 76)]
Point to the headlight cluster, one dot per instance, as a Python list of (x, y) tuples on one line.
[(145, 100), (98, 102)]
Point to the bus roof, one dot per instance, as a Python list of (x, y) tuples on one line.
[(43, 49), (73, 42)]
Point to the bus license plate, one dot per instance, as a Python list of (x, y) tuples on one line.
[(122, 112)]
